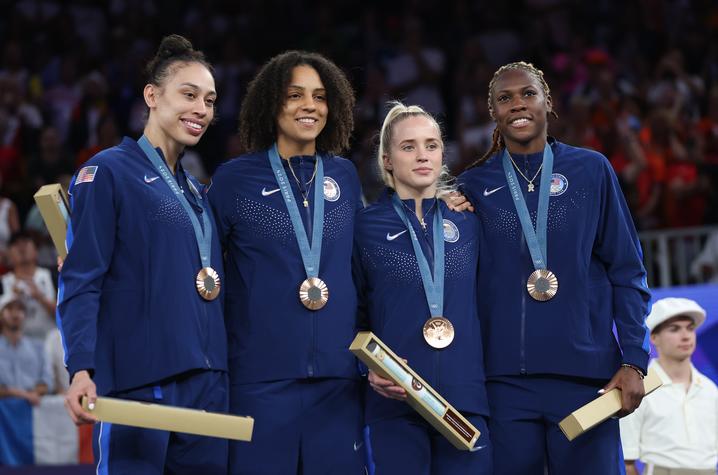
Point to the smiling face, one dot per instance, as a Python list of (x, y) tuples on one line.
[(415, 157), (520, 109), (303, 114), (675, 339), (182, 108)]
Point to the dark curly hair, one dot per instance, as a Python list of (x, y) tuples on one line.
[(265, 98)]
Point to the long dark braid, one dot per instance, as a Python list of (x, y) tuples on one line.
[(497, 141)]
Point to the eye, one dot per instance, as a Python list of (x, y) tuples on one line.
[(530, 92), (294, 96), (320, 98), (407, 148), (210, 102), (502, 98), (432, 146), (189, 95)]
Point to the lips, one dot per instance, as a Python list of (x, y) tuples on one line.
[(519, 122), (193, 127), (423, 170), (307, 121)]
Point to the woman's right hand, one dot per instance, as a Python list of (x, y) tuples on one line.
[(82, 385), (386, 387)]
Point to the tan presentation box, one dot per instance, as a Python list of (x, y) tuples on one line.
[(422, 397), (173, 419), (601, 408), (54, 207)]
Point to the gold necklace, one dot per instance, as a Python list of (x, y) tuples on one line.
[(299, 183), (531, 186), (421, 220)]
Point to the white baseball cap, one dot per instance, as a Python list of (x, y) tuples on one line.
[(673, 307)]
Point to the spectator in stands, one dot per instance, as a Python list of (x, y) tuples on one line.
[(674, 430), (55, 357), (31, 284), (51, 160), (705, 267), (9, 225), (23, 371)]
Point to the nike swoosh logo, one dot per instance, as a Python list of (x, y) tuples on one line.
[(270, 192), (488, 192), (357, 446), (150, 179), (391, 237)]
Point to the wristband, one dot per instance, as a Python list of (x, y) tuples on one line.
[(635, 368)]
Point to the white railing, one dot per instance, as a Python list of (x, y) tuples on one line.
[(668, 254)]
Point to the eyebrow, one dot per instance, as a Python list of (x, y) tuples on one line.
[(294, 86), (196, 87), (521, 88)]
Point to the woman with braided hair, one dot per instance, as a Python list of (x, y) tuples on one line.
[(561, 266)]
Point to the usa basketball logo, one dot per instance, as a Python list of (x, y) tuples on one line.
[(559, 184), (331, 189)]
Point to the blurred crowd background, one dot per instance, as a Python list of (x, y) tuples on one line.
[(636, 80)]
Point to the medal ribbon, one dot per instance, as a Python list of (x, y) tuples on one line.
[(536, 239), (202, 236), (433, 286), (311, 255)]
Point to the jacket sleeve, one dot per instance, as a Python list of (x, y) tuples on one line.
[(90, 240), (618, 247), (223, 203)]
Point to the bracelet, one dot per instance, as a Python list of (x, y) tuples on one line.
[(635, 368)]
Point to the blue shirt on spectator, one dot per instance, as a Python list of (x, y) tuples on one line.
[(23, 366)]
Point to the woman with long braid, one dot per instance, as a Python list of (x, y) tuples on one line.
[(564, 265)]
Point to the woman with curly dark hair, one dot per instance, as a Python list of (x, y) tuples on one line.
[(285, 212)]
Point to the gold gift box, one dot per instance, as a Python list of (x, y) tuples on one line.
[(601, 408), (54, 207), (173, 419), (422, 397)]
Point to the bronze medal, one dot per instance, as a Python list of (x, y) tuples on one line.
[(207, 283), (313, 293), (438, 332), (542, 285)]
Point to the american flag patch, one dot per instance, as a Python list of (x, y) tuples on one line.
[(86, 175)]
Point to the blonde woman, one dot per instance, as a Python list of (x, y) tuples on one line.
[(415, 267)]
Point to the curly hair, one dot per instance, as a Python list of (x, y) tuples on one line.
[(497, 141), (265, 98)]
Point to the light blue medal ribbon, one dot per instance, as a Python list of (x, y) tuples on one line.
[(207, 279), (438, 331), (542, 284), (313, 291)]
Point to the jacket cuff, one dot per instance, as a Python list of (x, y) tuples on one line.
[(79, 362), (636, 356)]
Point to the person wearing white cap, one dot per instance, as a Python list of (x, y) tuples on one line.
[(675, 430)]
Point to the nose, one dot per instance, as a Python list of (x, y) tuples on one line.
[(517, 104), (200, 108), (309, 104)]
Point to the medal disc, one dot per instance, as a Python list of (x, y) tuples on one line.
[(313, 293), (207, 283), (542, 285), (438, 332)]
